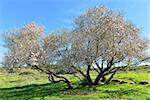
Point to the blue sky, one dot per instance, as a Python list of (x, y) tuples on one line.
[(55, 14)]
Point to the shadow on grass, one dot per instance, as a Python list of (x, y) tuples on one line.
[(31, 91), (121, 92)]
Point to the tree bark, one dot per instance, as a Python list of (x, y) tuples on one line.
[(98, 79), (88, 77), (63, 79), (101, 70), (110, 78), (79, 71), (103, 79), (51, 78)]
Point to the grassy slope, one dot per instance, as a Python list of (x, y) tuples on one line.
[(36, 86)]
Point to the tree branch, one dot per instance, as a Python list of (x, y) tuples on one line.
[(65, 79), (95, 69), (79, 71)]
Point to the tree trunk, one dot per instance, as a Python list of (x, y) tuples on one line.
[(110, 78), (51, 78), (88, 77), (103, 79), (98, 79), (63, 79)]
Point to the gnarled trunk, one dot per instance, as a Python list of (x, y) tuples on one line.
[(61, 79), (88, 77), (98, 79), (110, 78)]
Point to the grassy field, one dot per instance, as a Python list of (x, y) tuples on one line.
[(32, 85)]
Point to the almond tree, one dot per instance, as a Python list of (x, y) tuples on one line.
[(21, 44), (26, 48), (104, 38)]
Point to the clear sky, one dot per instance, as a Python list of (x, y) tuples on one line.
[(55, 14)]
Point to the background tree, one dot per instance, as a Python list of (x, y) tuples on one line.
[(21, 44)]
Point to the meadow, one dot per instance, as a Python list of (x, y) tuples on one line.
[(28, 84)]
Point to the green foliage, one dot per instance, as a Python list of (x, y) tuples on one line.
[(36, 87)]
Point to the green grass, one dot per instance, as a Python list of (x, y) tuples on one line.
[(31, 85)]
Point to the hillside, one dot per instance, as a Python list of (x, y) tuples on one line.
[(32, 85)]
